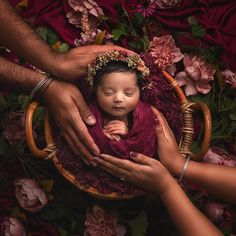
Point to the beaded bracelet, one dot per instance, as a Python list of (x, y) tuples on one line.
[(40, 84), (184, 168)]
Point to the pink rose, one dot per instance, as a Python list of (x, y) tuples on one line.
[(196, 75), (219, 156), (229, 77), (30, 196), (164, 51), (14, 131), (101, 223), (12, 227), (215, 210), (165, 4)]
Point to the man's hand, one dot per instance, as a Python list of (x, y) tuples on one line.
[(67, 106), (74, 63)]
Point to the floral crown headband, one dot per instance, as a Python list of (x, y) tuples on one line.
[(133, 61)]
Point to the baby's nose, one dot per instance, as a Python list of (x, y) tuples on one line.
[(119, 97)]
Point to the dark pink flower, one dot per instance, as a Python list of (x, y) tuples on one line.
[(219, 156), (165, 4), (215, 210), (229, 77), (12, 227), (196, 75), (30, 196), (14, 131), (164, 51), (147, 8), (101, 223)]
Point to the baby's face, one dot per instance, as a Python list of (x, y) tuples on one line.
[(118, 93)]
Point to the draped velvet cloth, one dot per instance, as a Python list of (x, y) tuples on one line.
[(140, 138), (217, 16)]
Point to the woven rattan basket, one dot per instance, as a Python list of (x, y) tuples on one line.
[(187, 134)]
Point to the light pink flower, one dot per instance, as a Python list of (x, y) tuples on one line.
[(147, 8), (12, 227), (14, 131), (196, 75), (219, 156), (89, 5), (30, 196), (164, 51), (215, 210), (101, 223), (165, 4), (229, 77)]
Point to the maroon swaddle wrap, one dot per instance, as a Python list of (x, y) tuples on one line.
[(140, 138)]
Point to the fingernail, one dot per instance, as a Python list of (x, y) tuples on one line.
[(156, 121), (91, 120), (133, 154)]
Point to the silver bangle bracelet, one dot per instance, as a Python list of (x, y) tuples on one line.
[(38, 86), (184, 168)]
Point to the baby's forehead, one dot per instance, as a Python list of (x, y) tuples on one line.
[(125, 77)]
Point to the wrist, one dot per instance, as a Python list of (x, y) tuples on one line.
[(169, 184), (176, 165)]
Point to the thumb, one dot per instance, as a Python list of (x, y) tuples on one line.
[(84, 111), (141, 159)]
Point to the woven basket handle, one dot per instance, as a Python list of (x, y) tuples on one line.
[(208, 130), (47, 152), (188, 131)]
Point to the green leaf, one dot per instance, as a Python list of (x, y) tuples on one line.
[(64, 47), (139, 224), (138, 19), (118, 32), (192, 20), (198, 31), (52, 36), (42, 31), (145, 42), (232, 116)]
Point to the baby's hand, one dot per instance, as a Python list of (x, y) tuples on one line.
[(115, 129)]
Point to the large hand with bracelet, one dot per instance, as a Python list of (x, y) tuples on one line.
[(67, 106)]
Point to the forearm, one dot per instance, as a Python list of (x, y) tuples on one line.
[(19, 37), (17, 78), (218, 180), (186, 217)]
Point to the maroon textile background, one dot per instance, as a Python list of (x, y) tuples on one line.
[(217, 16)]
